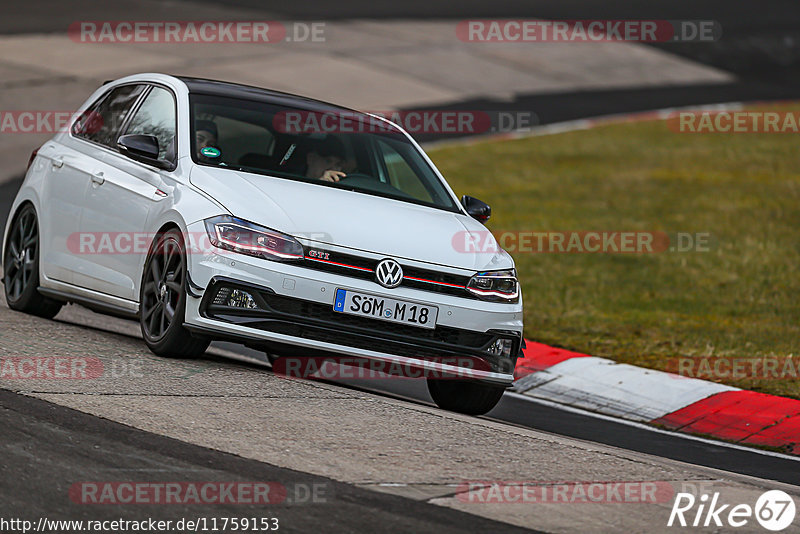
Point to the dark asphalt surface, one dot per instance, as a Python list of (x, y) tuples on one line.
[(545, 418), (760, 41), (567, 106), (47, 448), (528, 414)]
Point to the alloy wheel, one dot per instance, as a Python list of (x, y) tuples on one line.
[(163, 287)]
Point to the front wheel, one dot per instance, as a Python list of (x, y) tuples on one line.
[(163, 300), (471, 398)]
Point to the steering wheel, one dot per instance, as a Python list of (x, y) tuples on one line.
[(359, 180), (370, 183), (357, 176)]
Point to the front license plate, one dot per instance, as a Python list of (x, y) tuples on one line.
[(396, 311)]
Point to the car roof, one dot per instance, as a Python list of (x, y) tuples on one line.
[(235, 90)]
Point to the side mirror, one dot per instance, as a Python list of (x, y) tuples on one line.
[(142, 148), (480, 211)]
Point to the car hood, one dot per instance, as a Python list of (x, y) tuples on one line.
[(324, 215)]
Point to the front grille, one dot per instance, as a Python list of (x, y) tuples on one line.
[(315, 321), (324, 312), (364, 268), (349, 339)]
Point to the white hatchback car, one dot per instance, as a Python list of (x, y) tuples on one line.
[(195, 207)]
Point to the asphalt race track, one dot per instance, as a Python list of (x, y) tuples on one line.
[(383, 458), (39, 431), (760, 42), (155, 420)]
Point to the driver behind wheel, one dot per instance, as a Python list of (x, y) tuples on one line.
[(326, 160)]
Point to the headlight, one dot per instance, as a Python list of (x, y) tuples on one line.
[(498, 286), (245, 237)]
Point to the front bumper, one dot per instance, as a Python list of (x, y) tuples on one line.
[(295, 313)]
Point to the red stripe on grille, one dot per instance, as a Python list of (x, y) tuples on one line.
[(370, 271), (339, 264), (432, 282)]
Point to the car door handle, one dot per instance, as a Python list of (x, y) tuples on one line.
[(98, 178), (58, 163)]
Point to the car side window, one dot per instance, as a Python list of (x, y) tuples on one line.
[(102, 122), (156, 116)]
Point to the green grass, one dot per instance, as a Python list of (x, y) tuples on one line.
[(739, 300)]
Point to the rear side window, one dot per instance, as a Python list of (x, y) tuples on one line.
[(102, 122), (156, 116)]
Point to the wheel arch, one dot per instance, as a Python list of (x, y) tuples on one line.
[(167, 226), (13, 214), (163, 226), (168, 220)]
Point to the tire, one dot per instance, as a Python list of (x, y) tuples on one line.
[(21, 267), (162, 298), (460, 396)]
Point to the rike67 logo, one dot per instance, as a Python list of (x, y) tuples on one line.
[(774, 511)]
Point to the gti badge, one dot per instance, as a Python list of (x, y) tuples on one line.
[(389, 273), (319, 254)]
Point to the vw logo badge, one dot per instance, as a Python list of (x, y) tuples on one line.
[(389, 273)]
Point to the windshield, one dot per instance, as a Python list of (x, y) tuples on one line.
[(341, 149)]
